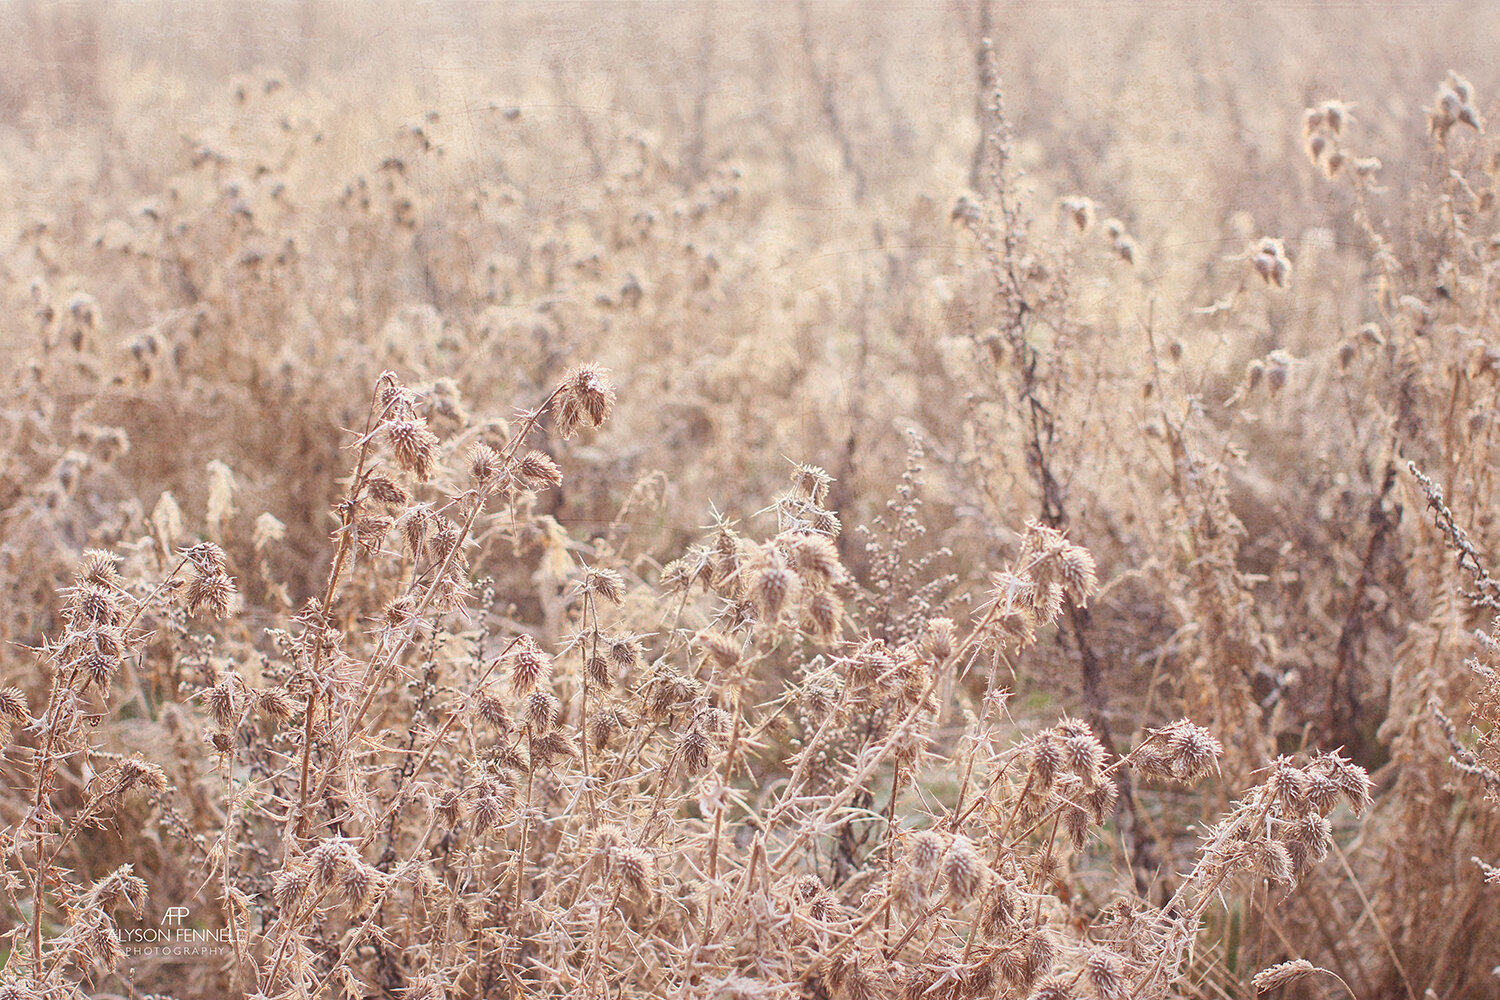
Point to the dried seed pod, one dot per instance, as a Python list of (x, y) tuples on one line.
[(725, 650), (693, 748), (413, 446), (275, 704), (909, 890), (965, 870), (635, 868), (132, 773), (328, 859), (938, 638), (1047, 759), (999, 911), (926, 854), (1269, 260), (1287, 785), (1076, 567), (447, 806), (383, 489), (811, 482), (1079, 211), (824, 613), (1353, 780), (584, 399), (493, 711), (529, 665), (626, 653), (212, 592), (1040, 953), (1280, 975), (1085, 757), (1100, 800), (542, 711), (98, 568), (554, 745), (1271, 859), (596, 669), (1322, 792), (815, 559), (1191, 751), (221, 704), (207, 558), (605, 583), (288, 887), (485, 464), (770, 586), (825, 522), (1316, 146), (416, 525), (604, 726), (1076, 823), (485, 814), (1106, 972), (13, 705), (608, 836)]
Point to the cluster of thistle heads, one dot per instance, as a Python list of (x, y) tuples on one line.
[(794, 578), (1453, 105), (985, 877), (1030, 593)]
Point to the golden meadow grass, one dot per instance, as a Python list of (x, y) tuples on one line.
[(749, 501)]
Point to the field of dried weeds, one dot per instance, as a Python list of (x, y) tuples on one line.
[(749, 501)]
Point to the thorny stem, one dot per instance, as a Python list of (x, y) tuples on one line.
[(398, 798), (713, 850), (375, 673), (43, 789), (141, 607), (591, 608), (325, 610), (890, 836), (45, 770), (439, 739), (916, 925), (525, 820), (661, 790), (227, 886)]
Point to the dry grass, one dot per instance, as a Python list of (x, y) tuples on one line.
[(1122, 625)]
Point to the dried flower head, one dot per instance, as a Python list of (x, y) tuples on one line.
[(1281, 975), (529, 665), (485, 464), (413, 446), (542, 711), (358, 883), (1190, 751), (965, 870), (605, 583), (537, 470), (1269, 260), (584, 399), (1079, 211), (604, 726), (213, 592), (810, 482), (771, 584), (383, 489), (1106, 972), (221, 703), (13, 705), (925, 854), (823, 614), (635, 868)]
